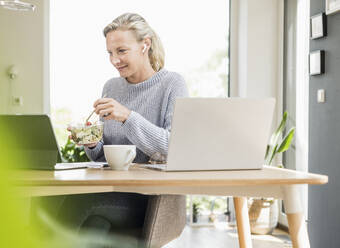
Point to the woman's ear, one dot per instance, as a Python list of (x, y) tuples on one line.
[(147, 44)]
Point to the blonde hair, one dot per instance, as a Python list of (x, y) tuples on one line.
[(142, 30)]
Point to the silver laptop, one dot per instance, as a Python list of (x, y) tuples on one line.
[(219, 134)]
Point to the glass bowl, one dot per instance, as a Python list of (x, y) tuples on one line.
[(88, 133)]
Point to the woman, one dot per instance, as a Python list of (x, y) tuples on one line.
[(138, 105), (137, 109)]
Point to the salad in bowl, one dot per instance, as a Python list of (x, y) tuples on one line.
[(88, 133)]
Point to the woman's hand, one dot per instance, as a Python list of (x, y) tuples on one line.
[(110, 109), (87, 145)]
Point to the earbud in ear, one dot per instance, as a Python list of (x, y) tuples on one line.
[(144, 48)]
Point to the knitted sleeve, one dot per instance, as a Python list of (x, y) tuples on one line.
[(148, 137)]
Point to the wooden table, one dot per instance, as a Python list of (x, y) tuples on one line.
[(269, 182)]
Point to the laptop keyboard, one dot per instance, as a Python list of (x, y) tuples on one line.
[(79, 165), (155, 166)]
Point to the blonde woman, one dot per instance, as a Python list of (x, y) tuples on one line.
[(138, 105), (137, 110)]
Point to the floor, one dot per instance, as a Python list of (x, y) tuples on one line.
[(224, 236)]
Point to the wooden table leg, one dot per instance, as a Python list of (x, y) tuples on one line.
[(296, 221), (242, 219)]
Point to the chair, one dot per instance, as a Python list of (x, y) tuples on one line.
[(164, 220)]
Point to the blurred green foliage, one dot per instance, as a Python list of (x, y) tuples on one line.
[(71, 152), (61, 117), (211, 78), (15, 228), (208, 203)]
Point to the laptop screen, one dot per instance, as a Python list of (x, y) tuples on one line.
[(32, 141)]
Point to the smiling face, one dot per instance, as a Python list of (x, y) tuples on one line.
[(125, 52)]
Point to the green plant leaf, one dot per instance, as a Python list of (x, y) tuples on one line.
[(282, 123), (286, 141), (276, 135), (73, 153), (273, 155), (267, 152)]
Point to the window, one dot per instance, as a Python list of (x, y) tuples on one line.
[(289, 76), (296, 87), (195, 36)]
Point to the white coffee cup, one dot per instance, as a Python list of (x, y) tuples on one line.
[(119, 157)]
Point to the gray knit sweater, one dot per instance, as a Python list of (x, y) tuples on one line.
[(148, 127)]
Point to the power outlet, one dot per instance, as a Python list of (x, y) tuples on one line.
[(17, 100)]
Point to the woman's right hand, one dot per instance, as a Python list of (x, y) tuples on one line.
[(91, 145)]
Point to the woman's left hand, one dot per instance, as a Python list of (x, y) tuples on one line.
[(110, 109)]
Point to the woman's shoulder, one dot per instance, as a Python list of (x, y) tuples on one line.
[(176, 84), (174, 78)]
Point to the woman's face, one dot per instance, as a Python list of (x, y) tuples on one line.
[(125, 52)]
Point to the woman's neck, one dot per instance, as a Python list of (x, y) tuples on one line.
[(141, 75)]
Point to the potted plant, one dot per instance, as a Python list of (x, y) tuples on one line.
[(73, 153), (264, 212), (276, 145), (195, 211)]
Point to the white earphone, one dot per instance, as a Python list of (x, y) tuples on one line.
[(144, 48)]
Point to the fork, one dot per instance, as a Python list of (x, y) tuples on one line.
[(92, 112)]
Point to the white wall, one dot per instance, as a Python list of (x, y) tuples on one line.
[(23, 43), (256, 48)]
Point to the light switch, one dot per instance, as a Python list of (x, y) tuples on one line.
[(321, 96)]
